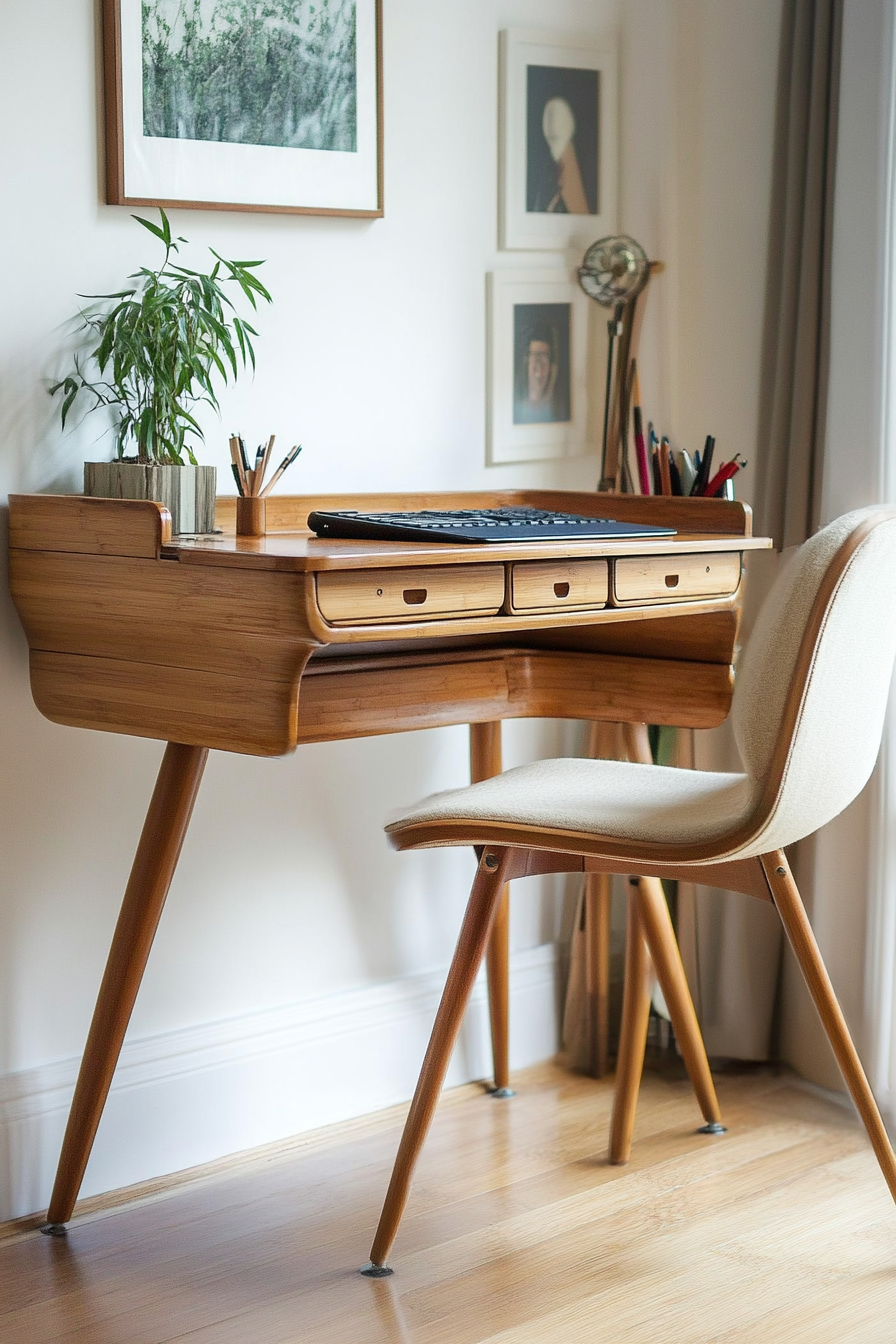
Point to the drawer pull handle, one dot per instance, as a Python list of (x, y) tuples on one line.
[(414, 597), (671, 580), (561, 590)]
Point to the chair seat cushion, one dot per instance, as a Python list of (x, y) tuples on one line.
[(609, 798)]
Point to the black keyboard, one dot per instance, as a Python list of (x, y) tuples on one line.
[(476, 525)]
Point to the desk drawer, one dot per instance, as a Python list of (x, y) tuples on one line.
[(676, 578), (559, 585), (368, 596)]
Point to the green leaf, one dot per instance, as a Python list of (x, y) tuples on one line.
[(166, 227), (67, 403), (153, 228)]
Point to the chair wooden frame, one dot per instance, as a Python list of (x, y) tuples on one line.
[(509, 850)]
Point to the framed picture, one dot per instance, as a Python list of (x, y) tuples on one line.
[(232, 105), (558, 140), (538, 325)]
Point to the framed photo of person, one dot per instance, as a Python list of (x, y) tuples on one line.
[(537, 379), (558, 139), (232, 105)]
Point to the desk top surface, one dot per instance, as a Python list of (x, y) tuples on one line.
[(304, 552), (288, 544), (143, 528)]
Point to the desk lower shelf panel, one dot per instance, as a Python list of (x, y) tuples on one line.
[(385, 694), (392, 695)]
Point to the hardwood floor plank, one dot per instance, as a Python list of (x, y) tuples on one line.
[(518, 1231)]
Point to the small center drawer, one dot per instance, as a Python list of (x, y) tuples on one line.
[(558, 585), (676, 578), (366, 596)]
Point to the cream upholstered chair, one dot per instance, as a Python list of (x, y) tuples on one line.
[(808, 713)]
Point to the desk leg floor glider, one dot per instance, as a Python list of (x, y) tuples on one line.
[(157, 854)]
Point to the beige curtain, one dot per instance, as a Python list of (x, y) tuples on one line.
[(732, 946), (793, 394)]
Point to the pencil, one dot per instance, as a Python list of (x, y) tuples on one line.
[(265, 459), (640, 446), (665, 478), (287, 462)]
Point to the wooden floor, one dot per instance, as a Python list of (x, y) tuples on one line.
[(518, 1231)]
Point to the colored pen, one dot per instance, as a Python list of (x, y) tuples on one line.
[(674, 475), (686, 471), (665, 477), (705, 466), (236, 459), (244, 457), (724, 473), (654, 458)]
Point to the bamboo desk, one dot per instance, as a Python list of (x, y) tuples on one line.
[(131, 631)]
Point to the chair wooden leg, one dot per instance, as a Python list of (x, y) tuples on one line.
[(667, 962), (160, 844), (481, 909), (597, 970), (497, 965), (604, 743), (632, 1037), (648, 893), (786, 897), (485, 763)]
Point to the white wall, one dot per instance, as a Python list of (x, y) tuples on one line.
[(287, 959), (373, 355)]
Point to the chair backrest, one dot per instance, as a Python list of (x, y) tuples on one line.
[(811, 693)]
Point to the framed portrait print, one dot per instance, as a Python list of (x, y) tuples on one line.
[(558, 140), (537, 405), (233, 105)]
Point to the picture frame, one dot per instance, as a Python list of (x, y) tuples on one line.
[(537, 367), (192, 122), (559, 139)]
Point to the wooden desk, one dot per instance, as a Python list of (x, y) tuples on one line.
[(131, 631)]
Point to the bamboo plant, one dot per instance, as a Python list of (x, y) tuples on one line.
[(155, 349)]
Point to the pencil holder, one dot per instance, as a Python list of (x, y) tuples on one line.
[(250, 517)]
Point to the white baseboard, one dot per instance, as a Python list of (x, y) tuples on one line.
[(194, 1095)]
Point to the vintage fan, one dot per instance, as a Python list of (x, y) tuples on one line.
[(614, 272)]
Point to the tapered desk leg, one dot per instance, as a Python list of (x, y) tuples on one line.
[(485, 762), (603, 744), (632, 1036), (153, 868), (598, 892)]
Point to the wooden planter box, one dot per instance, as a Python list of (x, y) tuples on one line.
[(187, 492)]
